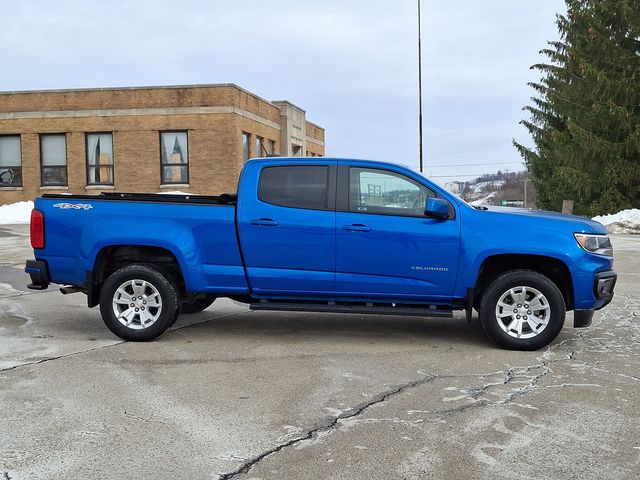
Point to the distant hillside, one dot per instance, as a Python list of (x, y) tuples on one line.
[(499, 189)]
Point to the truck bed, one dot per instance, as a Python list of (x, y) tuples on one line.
[(198, 230)]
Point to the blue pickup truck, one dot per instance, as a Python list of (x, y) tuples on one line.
[(323, 235)]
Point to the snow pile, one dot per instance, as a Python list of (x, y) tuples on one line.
[(19, 212), (626, 221)]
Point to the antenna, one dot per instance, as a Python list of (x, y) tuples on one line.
[(420, 85)]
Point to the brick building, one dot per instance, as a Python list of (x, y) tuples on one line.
[(142, 139)]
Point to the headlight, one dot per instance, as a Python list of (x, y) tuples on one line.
[(598, 244)]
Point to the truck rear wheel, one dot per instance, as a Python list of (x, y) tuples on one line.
[(522, 310), (138, 303)]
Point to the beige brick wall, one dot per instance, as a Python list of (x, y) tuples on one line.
[(314, 132), (214, 139)]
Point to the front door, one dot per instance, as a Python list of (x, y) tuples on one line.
[(386, 247), (287, 228)]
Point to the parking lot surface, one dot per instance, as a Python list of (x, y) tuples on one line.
[(230, 393)]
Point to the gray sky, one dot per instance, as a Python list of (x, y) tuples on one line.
[(350, 64)]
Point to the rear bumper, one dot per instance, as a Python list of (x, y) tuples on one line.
[(39, 274), (603, 286)]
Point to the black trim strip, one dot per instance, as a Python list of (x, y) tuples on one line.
[(224, 199)]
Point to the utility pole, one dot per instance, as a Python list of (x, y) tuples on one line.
[(420, 86)]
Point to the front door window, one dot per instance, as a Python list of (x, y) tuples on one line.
[(386, 193)]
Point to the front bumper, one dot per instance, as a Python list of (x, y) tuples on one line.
[(603, 286), (39, 274)]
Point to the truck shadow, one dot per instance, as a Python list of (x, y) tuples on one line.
[(323, 327)]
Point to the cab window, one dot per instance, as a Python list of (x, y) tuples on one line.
[(295, 186), (385, 192)]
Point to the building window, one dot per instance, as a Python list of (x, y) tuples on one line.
[(260, 148), (174, 157), (10, 161), (246, 139), (99, 159), (53, 159), (272, 147)]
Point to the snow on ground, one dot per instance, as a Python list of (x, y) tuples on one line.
[(483, 200), (19, 212), (626, 221), (478, 187)]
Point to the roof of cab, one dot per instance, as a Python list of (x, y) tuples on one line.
[(360, 161)]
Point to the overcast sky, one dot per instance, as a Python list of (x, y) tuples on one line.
[(352, 65)]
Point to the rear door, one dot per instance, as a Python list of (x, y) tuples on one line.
[(286, 219), (386, 247)]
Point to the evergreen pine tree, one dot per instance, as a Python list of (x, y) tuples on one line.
[(585, 119)]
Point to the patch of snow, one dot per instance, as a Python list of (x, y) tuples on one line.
[(478, 187), (15, 213), (626, 221), (176, 192), (483, 200)]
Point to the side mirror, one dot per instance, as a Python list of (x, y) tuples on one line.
[(437, 208)]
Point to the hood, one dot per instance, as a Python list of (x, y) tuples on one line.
[(580, 223)]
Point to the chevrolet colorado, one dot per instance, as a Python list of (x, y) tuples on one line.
[(323, 235)]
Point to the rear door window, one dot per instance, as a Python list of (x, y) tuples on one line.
[(295, 186)]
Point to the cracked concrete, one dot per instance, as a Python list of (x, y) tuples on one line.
[(233, 394)]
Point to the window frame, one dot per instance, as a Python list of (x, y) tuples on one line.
[(13, 167), (66, 161), (111, 165), (261, 149), (331, 186), (247, 135), (162, 165), (343, 184)]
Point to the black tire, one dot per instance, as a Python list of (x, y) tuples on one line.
[(196, 304), (156, 282), (497, 327)]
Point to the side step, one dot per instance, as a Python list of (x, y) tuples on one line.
[(368, 308)]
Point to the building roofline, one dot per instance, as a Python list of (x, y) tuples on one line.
[(276, 102), (141, 87), (315, 125)]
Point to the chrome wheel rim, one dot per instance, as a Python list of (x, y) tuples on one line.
[(137, 304), (523, 312)]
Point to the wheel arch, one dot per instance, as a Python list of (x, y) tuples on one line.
[(111, 258), (556, 270)]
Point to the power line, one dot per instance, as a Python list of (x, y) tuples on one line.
[(474, 164), (455, 176), (475, 148)]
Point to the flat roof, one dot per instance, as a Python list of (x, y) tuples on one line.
[(156, 87), (142, 87)]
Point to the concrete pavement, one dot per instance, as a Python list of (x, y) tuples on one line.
[(230, 393)]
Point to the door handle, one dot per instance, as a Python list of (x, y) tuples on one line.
[(358, 227), (267, 222)]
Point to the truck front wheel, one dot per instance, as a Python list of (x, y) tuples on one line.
[(522, 310), (138, 303)]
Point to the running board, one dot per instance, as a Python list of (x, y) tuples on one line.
[(330, 307)]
